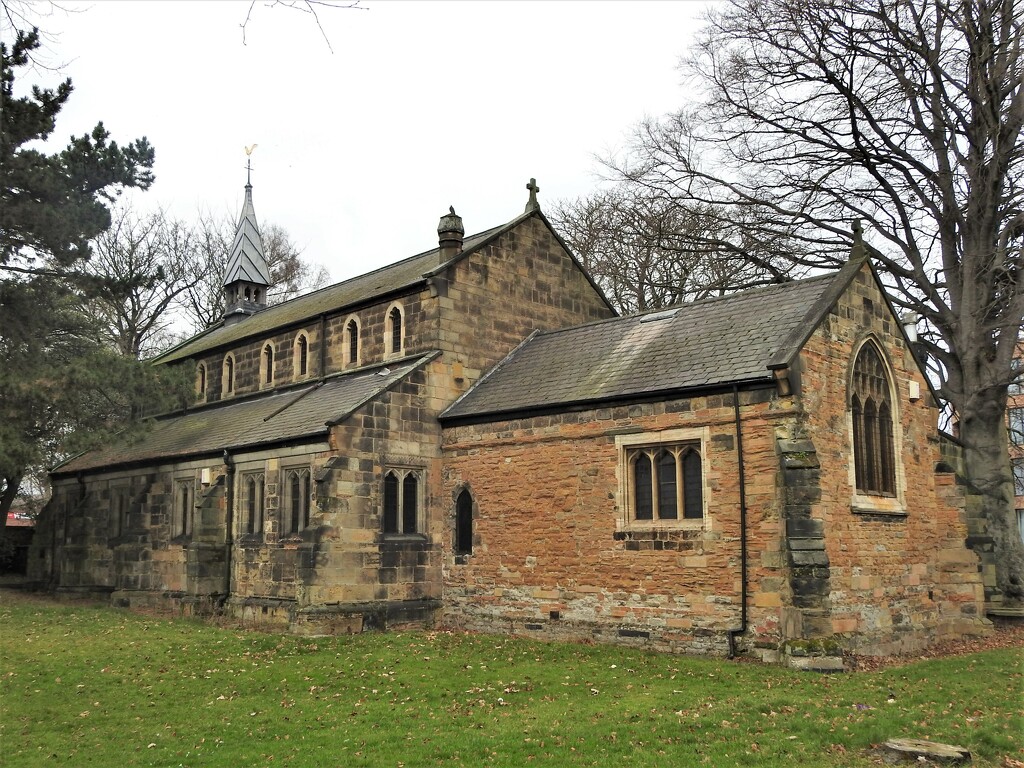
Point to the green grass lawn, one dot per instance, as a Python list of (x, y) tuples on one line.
[(85, 685)]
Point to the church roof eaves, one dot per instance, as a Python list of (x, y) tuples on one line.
[(392, 278), (276, 418), (702, 345)]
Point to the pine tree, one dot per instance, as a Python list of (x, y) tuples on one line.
[(61, 388)]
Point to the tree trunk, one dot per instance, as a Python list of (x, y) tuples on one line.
[(983, 433), (10, 492)]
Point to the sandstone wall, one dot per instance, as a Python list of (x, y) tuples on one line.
[(899, 571)]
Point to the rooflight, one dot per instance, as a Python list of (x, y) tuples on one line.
[(659, 315)]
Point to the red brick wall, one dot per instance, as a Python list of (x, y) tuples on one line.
[(546, 491)]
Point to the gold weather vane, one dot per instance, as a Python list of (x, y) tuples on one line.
[(248, 163)]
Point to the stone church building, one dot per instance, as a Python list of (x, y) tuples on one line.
[(471, 438)]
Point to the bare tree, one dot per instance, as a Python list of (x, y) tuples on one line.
[(290, 274), (309, 7), (647, 251), (907, 115), (148, 264)]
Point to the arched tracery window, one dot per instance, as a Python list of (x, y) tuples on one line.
[(401, 501), (297, 500), (666, 480), (871, 407), (253, 493)]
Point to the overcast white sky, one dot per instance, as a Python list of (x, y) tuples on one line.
[(420, 106)]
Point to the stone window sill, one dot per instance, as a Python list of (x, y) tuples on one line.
[(878, 510), (404, 538)]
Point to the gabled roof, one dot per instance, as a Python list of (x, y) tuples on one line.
[(394, 278), (296, 415), (246, 261), (705, 344)]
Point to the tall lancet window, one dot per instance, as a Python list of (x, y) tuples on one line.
[(872, 411), (393, 342), (267, 365), (352, 343), (301, 355), (227, 384)]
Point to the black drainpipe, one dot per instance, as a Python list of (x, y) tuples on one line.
[(323, 346), (229, 494), (743, 526)]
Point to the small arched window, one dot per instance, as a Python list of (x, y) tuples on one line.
[(201, 380), (268, 364), (464, 523), (393, 342), (228, 375), (301, 355), (352, 343), (871, 409)]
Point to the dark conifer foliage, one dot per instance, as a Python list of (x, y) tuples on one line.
[(61, 387)]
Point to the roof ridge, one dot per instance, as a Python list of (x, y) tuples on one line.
[(685, 304)]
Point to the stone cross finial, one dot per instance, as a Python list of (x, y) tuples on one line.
[(532, 204), (857, 251)]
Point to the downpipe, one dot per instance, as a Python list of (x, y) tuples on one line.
[(229, 544), (743, 525)]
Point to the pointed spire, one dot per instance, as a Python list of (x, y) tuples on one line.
[(247, 275), (247, 261)]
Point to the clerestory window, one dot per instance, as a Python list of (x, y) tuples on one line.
[(267, 365), (227, 384), (393, 342), (352, 344), (301, 355)]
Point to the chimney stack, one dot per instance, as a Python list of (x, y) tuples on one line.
[(450, 234)]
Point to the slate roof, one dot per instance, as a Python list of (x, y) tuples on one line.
[(246, 261), (720, 341), (394, 277), (295, 415)]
